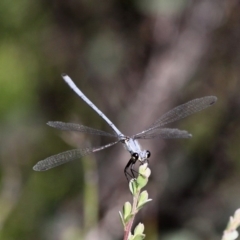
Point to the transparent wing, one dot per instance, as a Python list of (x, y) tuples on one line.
[(79, 128), (180, 112), (164, 133), (67, 156)]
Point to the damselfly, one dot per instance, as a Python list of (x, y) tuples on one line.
[(155, 130)]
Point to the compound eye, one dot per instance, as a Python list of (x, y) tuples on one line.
[(135, 156), (148, 154)]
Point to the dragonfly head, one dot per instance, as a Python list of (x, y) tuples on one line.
[(141, 156)]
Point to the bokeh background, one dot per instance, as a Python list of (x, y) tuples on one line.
[(135, 60)]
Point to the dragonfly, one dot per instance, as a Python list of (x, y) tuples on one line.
[(131, 144)]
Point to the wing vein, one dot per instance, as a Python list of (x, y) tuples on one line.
[(79, 128), (179, 112), (67, 156)]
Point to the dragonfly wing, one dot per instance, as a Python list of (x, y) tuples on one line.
[(185, 110), (79, 128), (67, 156), (181, 111), (164, 133)]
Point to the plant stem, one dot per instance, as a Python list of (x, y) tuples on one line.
[(128, 227)]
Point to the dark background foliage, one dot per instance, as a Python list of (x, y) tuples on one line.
[(135, 60)]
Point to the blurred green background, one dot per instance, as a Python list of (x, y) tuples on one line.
[(135, 60)]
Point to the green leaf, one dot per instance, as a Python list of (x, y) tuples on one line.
[(130, 236), (143, 196), (133, 186), (121, 217), (128, 218), (141, 181), (143, 199), (144, 170), (144, 173), (138, 237), (139, 229), (143, 203), (127, 208)]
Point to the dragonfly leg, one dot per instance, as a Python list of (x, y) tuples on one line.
[(132, 169), (130, 165), (127, 174)]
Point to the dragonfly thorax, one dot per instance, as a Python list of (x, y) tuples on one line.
[(135, 150)]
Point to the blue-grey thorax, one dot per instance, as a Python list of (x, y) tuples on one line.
[(133, 146)]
